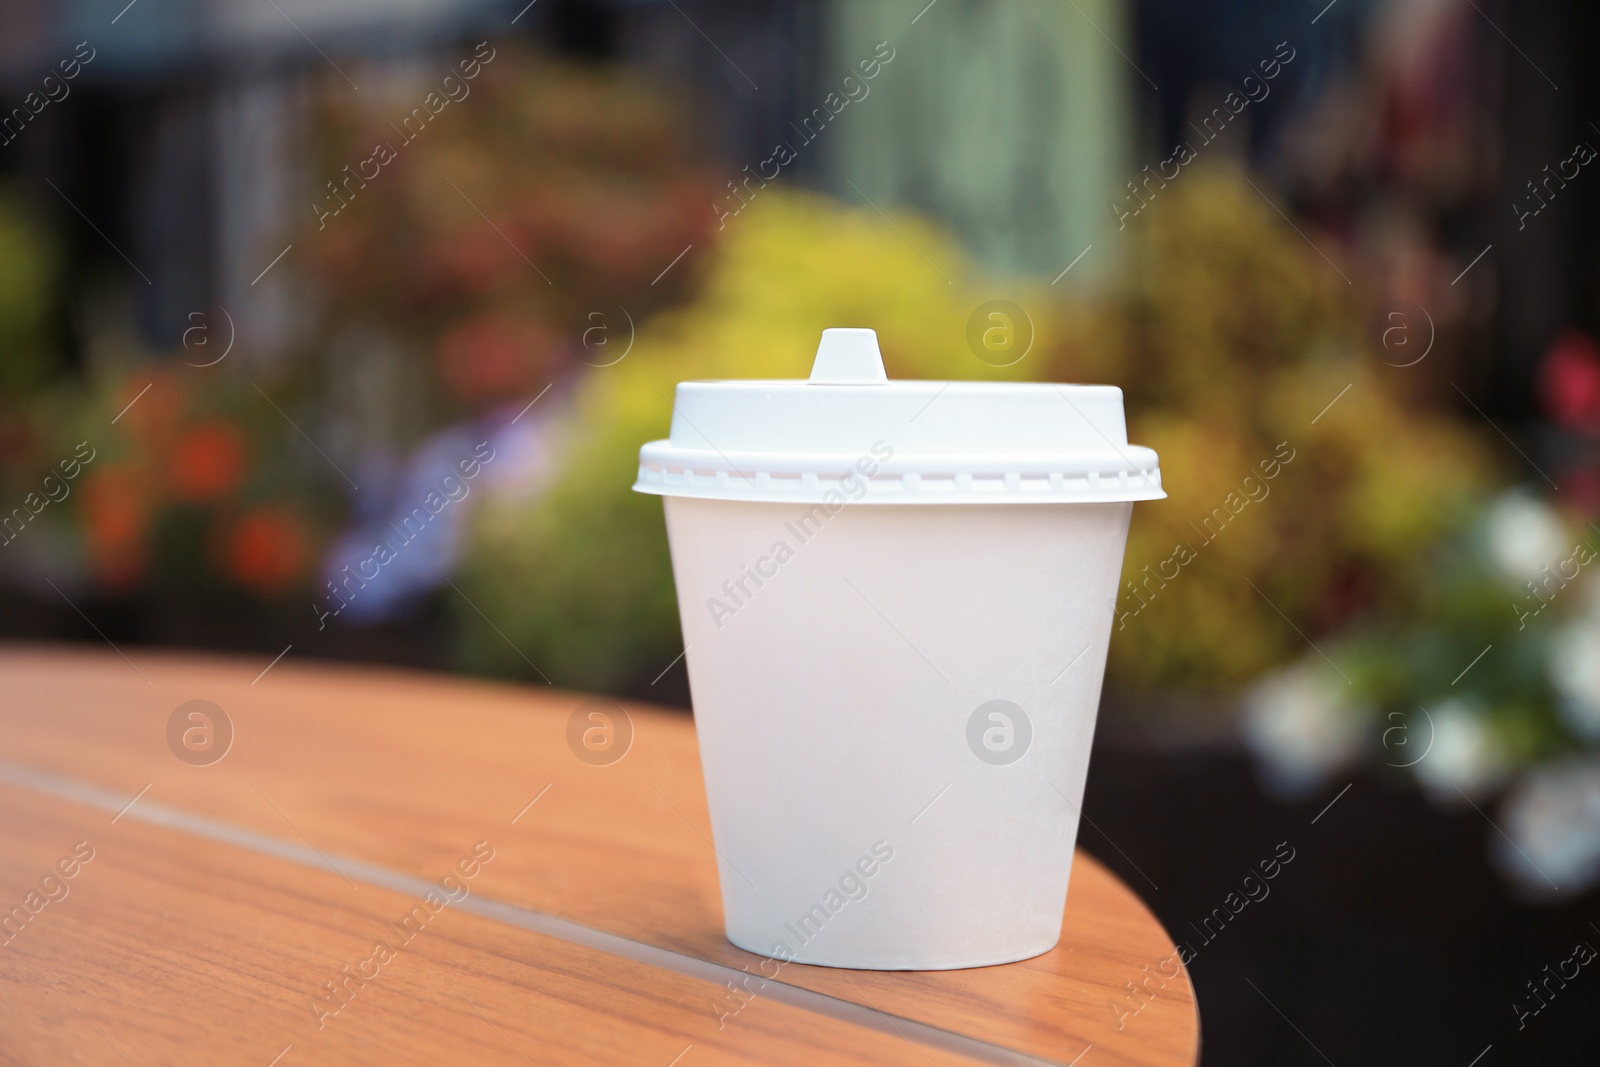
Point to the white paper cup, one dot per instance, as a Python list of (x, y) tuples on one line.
[(895, 704)]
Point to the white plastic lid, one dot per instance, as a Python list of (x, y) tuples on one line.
[(849, 430)]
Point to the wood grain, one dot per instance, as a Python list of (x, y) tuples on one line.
[(403, 770), (167, 949)]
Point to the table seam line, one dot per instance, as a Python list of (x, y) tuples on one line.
[(568, 931)]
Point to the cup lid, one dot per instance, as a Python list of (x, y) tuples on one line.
[(851, 433)]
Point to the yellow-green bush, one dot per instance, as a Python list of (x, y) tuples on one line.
[(1228, 334), (579, 578)]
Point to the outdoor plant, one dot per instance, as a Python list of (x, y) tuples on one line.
[(578, 575), (503, 242), (1486, 686), (478, 262), (134, 473), (1303, 474), (194, 489), (1228, 335)]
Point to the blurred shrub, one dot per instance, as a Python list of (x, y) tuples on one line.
[(1485, 687), (197, 487), (1229, 336), (452, 275), (27, 283), (580, 577), (474, 259), (138, 474)]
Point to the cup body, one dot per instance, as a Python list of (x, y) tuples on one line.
[(895, 706)]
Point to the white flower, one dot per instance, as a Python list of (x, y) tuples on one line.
[(1552, 820), (1465, 755), (1524, 536), (1302, 726), (1574, 657)]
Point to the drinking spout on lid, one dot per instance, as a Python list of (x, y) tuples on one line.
[(848, 357)]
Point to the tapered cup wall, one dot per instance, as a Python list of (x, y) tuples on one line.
[(895, 707)]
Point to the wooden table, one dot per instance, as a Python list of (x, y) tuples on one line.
[(231, 912)]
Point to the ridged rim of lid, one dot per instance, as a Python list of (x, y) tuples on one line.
[(1101, 468), (668, 471)]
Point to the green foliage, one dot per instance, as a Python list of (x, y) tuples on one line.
[(27, 282), (579, 578), (1229, 336), (471, 261), (1418, 658)]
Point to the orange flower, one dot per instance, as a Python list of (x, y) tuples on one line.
[(207, 461), (267, 549), (116, 513)]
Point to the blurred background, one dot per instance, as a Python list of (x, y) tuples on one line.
[(268, 269)]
